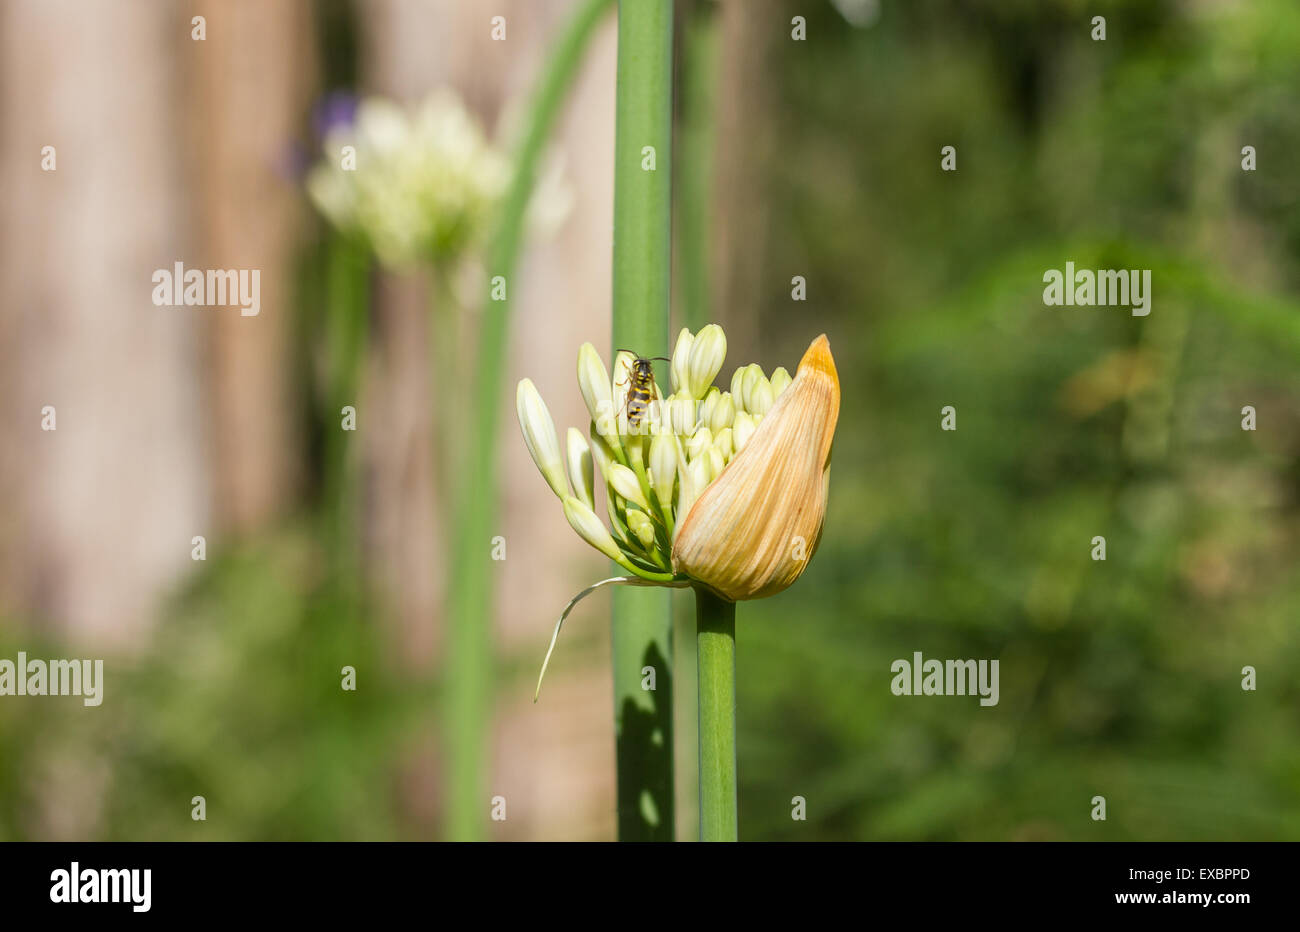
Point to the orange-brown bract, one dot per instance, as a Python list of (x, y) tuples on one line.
[(754, 528)]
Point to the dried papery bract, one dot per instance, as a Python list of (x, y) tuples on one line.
[(753, 529)]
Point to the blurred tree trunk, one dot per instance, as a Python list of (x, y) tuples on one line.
[(251, 88), (746, 140), (561, 298), (99, 512)]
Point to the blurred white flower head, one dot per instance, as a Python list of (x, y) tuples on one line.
[(426, 181)]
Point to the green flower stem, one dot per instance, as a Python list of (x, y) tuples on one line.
[(715, 642), (448, 370), (469, 616), (346, 299), (642, 620)]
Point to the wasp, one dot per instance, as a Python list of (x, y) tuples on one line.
[(642, 388)]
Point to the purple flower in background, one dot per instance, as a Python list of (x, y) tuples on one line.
[(336, 110)]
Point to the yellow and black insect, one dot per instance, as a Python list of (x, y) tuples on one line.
[(642, 389)]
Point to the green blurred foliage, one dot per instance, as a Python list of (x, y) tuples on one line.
[(1119, 678), (238, 699)]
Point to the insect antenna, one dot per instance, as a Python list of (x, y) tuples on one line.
[(635, 354)]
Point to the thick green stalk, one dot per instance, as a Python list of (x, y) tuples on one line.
[(642, 619), (715, 643), (469, 617)]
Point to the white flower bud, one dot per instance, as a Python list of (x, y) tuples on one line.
[(708, 404), (602, 454), (641, 526), (619, 387), (686, 492), (624, 481), (708, 351), (698, 442), (780, 381), (723, 443), (577, 459), (700, 477), (539, 436), (716, 463), (663, 466), (693, 480), (753, 377), (742, 430), (738, 386), (761, 398), (681, 357), (594, 383), (589, 527), (683, 415), (723, 413)]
